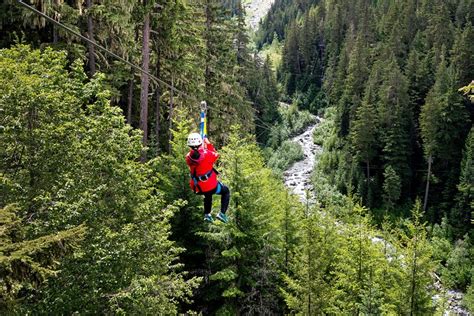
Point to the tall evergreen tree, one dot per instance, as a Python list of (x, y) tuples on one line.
[(396, 119), (462, 214), (309, 284), (443, 122), (417, 267)]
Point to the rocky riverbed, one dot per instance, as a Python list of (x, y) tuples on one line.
[(298, 176), (255, 11)]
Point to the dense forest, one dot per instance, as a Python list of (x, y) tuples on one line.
[(96, 216)]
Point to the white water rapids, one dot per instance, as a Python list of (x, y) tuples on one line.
[(298, 176)]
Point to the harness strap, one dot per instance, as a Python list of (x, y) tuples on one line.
[(219, 188), (197, 188), (200, 178)]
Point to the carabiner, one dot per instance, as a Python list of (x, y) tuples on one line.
[(203, 106)]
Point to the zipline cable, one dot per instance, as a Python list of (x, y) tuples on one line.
[(47, 17), (156, 79)]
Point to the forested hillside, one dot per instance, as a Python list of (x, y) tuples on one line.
[(392, 70), (96, 214), (399, 128)]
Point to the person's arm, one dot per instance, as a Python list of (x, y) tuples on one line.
[(211, 150)]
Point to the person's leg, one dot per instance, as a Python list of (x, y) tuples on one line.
[(225, 198), (207, 203)]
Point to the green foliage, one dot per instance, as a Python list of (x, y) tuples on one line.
[(379, 62), (457, 271), (417, 265), (281, 14), (360, 269), (262, 90), (293, 122), (246, 255), (288, 153), (26, 264), (469, 298), (469, 91), (462, 214), (273, 52), (325, 128), (351, 267), (391, 187), (78, 164), (309, 289)]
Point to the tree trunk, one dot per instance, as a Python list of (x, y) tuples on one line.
[(157, 105), (171, 113), (310, 259), (130, 101), (208, 46), (90, 35), (425, 202), (145, 81), (368, 183), (55, 34), (287, 239), (56, 17), (413, 278)]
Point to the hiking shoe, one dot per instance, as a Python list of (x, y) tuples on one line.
[(208, 218), (222, 217)]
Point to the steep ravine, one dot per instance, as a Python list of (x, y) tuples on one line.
[(298, 179)]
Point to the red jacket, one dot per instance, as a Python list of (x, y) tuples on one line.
[(201, 167)]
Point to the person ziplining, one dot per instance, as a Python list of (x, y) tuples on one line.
[(200, 160)]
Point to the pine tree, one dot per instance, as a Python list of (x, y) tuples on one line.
[(462, 214), (396, 120), (357, 269), (439, 28), (246, 255), (27, 264), (391, 187), (309, 285), (462, 53), (357, 74), (292, 63), (443, 124), (364, 138), (417, 265)]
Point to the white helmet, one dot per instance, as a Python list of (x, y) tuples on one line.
[(194, 140)]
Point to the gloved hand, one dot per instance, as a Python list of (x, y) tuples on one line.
[(206, 141)]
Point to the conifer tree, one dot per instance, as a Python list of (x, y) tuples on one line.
[(226, 97), (27, 264), (396, 119), (309, 285), (461, 217), (462, 53), (292, 61), (417, 265), (364, 136), (443, 120), (245, 254), (353, 85), (391, 187), (357, 269)]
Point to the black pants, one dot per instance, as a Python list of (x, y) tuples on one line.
[(225, 198)]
